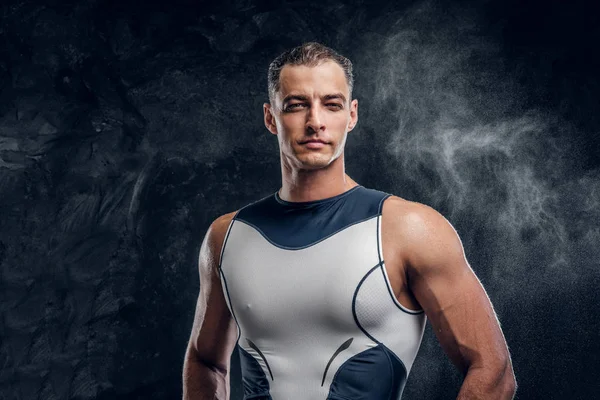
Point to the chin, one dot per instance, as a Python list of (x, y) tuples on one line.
[(313, 161), (312, 167)]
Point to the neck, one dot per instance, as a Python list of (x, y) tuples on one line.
[(314, 184)]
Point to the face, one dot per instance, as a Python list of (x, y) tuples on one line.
[(312, 104)]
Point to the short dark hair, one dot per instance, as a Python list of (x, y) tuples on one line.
[(310, 54)]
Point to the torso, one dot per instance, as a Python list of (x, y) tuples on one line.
[(318, 292)]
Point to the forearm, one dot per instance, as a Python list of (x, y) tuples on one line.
[(201, 382), (488, 384)]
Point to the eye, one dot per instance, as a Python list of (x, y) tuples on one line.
[(294, 106), (336, 106)]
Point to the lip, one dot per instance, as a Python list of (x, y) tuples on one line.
[(313, 141), (313, 144)]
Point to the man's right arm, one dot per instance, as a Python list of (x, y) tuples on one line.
[(214, 333)]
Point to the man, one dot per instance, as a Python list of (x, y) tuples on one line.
[(325, 286)]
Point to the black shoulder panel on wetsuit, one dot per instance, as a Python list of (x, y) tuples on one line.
[(296, 225)]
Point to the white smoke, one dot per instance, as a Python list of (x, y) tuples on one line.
[(456, 122)]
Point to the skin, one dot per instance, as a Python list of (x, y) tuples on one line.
[(214, 332), (423, 254), (312, 103)]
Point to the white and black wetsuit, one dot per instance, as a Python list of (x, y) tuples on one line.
[(307, 286)]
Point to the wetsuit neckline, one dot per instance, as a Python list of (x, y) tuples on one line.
[(313, 202)]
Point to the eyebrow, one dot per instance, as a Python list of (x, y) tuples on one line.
[(300, 97), (334, 96)]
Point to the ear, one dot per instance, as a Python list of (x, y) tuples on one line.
[(269, 118), (353, 114)]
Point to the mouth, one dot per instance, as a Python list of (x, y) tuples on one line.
[(313, 144), (313, 141)]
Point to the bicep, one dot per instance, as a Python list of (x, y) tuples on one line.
[(452, 296), (214, 331)]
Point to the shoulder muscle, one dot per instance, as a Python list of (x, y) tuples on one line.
[(427, 240)]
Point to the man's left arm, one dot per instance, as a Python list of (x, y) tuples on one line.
[(455, 302)]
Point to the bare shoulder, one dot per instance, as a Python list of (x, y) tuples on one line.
[(218, 228), (214, 238), (411, 215), (424, 234)]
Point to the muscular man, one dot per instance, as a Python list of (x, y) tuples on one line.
[(325, 285)]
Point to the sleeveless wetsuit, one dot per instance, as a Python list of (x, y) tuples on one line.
[(307, 286)]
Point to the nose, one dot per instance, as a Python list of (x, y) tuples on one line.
[(314, 119)]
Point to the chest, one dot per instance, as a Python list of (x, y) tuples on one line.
[(277, 291)]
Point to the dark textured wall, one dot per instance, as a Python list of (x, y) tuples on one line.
[(126, 127)]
